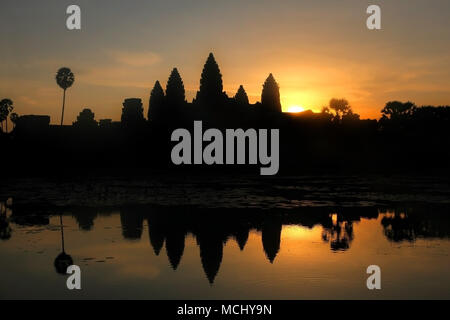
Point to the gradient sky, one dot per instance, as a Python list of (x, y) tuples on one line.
[(315, 49)]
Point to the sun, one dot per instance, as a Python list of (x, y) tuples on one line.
[(295, 109)]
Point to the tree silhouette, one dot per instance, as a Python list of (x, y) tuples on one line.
[(86, 119), (156, 103), (6, 106), (211, 86), (396, 110), (65, 79), (175, 94), (270, 97), (241, 96), (350, 116), (325, 110), (14, 118), (340, 106), (2, 117)]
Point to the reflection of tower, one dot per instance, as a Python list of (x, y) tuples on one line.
[(271, 238), (175, 246), (85, 218), (131, 224), (63, 260), (241, 236), (156, 233), (211, 252)]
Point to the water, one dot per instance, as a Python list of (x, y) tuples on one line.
[(280, 239)]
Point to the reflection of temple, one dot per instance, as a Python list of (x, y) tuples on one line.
[(175, 245), (213, 229), (131, 220), (168, 227), (271, 237), (156, 232), (241, 236), (211, 253), (85, 217)]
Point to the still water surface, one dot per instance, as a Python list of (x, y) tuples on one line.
[(166, 252)]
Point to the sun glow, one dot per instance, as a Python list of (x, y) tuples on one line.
[(295, 109)]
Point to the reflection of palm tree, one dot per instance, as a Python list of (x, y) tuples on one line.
[(62, 232), (63, 260), (5, 229), (64, 78)]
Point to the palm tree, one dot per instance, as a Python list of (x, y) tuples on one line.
[(2, 117), (6, 106), (64, 78), (14, 117)]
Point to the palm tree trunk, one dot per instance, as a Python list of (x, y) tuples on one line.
[(64, 101), (62, 231)]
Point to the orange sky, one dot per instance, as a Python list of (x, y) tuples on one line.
[(316, 51)]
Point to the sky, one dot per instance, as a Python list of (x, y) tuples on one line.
[(316, 50)]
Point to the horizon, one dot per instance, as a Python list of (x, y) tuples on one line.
[(407, 60)]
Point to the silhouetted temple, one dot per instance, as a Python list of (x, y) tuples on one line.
[(32, 123), (132, 112), (334, 140)]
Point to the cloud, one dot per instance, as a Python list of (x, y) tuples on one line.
[(27, 100), (123, 69), (117, 76), (136, 59)]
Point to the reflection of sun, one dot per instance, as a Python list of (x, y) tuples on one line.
[(296, 109)]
